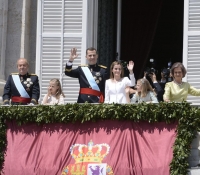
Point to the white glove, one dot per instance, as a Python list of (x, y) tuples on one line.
[(30, 104)]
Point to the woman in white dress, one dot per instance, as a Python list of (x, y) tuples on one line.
[(116, 85), (54, 94)]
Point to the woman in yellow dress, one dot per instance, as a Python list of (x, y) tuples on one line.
[(177, 90)]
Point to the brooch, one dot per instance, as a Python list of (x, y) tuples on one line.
[(28, 83), (98, 74)]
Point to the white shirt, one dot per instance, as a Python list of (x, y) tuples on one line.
[(115, 91), (52, 100)]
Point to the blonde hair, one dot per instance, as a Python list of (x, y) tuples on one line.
[(112, 66), (59, 92), (145, 87)]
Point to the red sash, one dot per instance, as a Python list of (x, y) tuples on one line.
[(20, 99), (92, 92)]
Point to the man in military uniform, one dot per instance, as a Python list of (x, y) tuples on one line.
[(91, 77), (21, 88)]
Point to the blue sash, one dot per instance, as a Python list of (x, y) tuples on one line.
[(90, 78), (19, 86)]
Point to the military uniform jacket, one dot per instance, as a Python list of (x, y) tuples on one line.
[(30, 83), (99, 73)]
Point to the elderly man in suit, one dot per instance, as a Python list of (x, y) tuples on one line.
[(21, 88)]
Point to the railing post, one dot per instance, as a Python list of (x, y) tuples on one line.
[(194, 158)]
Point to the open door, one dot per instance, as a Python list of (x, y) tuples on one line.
[(151, 29)]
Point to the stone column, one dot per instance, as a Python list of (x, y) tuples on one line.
[(14, 36), (25, 29), (3, 34), (194, 158)]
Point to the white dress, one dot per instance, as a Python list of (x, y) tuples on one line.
[(115, 91), (52, 100)]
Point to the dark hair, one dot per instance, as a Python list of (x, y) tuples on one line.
[(178, 65), (91, 49), (112, 66)]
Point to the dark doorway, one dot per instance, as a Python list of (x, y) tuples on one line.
[(151, 29)]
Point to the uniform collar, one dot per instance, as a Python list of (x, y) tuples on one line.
[(92, 66), (23, 75)]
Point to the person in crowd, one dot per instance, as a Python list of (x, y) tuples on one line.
[(158, 86), (91, 77), (144, 93), (54, 94), (177, 90), (116, 85), (21, 88)]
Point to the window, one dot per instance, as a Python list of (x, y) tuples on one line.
[(61, 25)]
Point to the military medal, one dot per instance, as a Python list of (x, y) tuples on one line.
[(97, 74), (28, 83)]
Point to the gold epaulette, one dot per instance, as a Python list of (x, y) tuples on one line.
[(83, 65), (33, 74), (102, 66), (14, 73), (68, 70)]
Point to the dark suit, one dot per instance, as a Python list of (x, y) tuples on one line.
[(99, 73), (30, 83), (159, 88)]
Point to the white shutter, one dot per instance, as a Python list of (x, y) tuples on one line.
[(61, 25), (191, 45)]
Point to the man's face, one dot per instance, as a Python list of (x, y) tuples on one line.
[(92, 57), (22, 66)]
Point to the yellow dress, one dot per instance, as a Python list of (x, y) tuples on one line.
[(179, 93)]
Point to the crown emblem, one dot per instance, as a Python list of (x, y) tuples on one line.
[(85, 155), (89, 153)]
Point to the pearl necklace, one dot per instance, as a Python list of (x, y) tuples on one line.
[(179, 84)]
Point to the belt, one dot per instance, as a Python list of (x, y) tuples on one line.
[(20, 99), (89, 91)]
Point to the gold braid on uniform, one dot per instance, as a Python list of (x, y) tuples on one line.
[(68, 70), (102, 66), (6, 100)]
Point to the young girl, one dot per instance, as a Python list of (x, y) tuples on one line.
[(115, 86), (55, 94), (144, 92)]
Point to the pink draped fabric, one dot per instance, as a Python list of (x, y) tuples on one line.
[(135, 148)]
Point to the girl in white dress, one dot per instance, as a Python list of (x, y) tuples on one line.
[(144, 92), (55, 94), (116, 85)]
